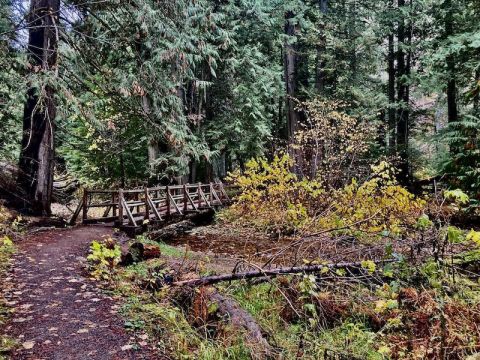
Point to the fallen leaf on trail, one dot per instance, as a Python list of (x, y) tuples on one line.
[(28, 345), (126, 347)]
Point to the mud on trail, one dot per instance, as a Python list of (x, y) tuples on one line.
[(58, 312)]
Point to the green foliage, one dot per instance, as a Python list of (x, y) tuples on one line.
[(103, 258), (168, 324), (12, 84), (369, 265), (7, 249), (455, 235), (423, 222)]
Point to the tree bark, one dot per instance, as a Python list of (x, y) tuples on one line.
[(320, 58), (391, 89), (403, 97), (451, 82), (476, 97), (290, 69), (37, 153)]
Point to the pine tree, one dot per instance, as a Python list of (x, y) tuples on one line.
[(37, 152)]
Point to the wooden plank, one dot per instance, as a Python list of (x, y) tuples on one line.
[(167, 199), (134, 203), (153, 208), (76, 213), (147, 203), (107, 210), (204, 197), (120, 207), (106, 204), (214, 193), (114, 206), (129, 213), (189, 198), (85, 205), (222, 189), (100, 219), (174, 204), (199, 189), (133, 191), (102, 191), (185, 198)]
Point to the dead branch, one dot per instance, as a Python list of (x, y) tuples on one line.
[(209, 280)]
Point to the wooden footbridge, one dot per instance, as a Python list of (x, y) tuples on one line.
[(134, 208)]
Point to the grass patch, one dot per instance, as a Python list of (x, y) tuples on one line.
[(155, 315), (351, 338)]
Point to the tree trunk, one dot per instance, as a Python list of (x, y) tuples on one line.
[(403, 98), (320, 58), (37, 153), (290, 69), (451, 84), (391, 89), (476, 98)]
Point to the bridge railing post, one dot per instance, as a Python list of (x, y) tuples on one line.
[(120, 207), (199, 191), (147, 206), (167, 199), (85, 205), (114, 209), (185, 204)]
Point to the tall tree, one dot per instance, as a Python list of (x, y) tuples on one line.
[(403, 91), (451, 81), (391, 82), (320, 61), (37, 152), (291, 59)]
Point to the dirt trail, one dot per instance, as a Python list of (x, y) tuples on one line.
[(60, 314)]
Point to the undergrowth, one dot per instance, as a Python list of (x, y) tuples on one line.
[(414, 296), (9, 227), (275, 200)]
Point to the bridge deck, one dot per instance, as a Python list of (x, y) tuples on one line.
[(135, 207)]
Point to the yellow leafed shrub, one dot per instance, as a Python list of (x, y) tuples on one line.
[(273, 199), (377, 205)]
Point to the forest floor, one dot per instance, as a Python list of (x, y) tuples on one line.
[(59, 313)]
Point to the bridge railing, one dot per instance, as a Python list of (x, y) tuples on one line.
[(135, 206)]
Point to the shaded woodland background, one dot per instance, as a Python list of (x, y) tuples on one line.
[(125, 92)]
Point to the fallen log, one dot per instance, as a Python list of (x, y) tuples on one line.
[(171, 231), (267, 273), (229, 311)]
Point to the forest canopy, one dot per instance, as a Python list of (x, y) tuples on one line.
[(135, 92)]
